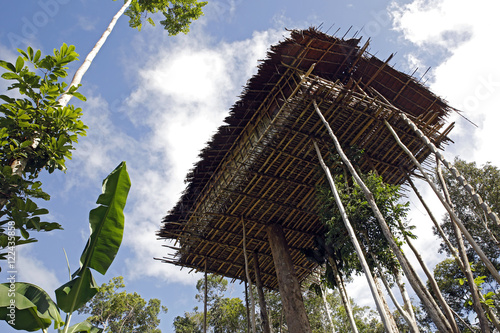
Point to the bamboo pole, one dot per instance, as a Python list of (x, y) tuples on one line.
[(432, 281), (205, 300), (450, 211), (408, 317), (418, 286), (343, 294), (440, 230), (476, 302), (262, 300), (252, 301), (475, 196), (354, 240)]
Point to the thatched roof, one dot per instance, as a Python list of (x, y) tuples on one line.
[(260, 166)]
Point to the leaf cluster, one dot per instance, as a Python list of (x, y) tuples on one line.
[(36, 133), (178, 14), (363, 221), (119, 311)]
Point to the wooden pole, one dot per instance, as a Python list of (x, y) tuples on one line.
[(440, 230), (475, 196), (252, 301), (357, 247), (262, 300), (247, 305), (418, 286), (431, 280), (205, 300), (449, 209), (476, 302), (343, 294), (290, 292)]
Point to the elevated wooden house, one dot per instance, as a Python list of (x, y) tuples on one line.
[(260, 169)]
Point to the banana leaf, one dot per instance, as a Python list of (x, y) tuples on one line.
[(25, 306)]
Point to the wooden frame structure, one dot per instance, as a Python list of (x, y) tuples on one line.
[(261, 165)]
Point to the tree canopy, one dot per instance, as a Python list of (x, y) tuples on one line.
[(115, 311)]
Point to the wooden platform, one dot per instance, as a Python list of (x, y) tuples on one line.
[(260, 167)]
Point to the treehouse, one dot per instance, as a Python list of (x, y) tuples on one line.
[(250, 203)]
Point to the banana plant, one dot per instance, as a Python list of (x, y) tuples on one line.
[(25, 306)]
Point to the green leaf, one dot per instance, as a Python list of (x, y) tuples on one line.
[(10, 76), (19, 64), (74, 294), (7, 65), (84, 326), (79, 96), (107, 222), (34, 309)]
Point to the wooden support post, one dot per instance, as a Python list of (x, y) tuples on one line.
[(355, 242), (449, 209), (475, 196), (476, 301), (205, 300), (262, 301), (290, 292), (435, 312), (252, 302)]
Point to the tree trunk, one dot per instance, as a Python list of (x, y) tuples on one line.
[(343, 295), (77, 78), (290, 292), (262, 300), (476, 302), (354, 240), (476, 197), (437, 316)]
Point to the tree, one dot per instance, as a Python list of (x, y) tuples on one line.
[(119, 311), (190, 323), (178, 16), (224, 315), (36, 133)]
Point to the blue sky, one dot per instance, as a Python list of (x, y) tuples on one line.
[(155, 100)]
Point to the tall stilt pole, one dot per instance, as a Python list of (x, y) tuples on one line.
[(343, 294), (475, 196), (357, 247), (205, 300), (262, 300), (290, 292), (252, 301), (449, 209), (435, 312), (476, 302)]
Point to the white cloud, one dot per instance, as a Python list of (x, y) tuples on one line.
[(32, 270), (467, 78)]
